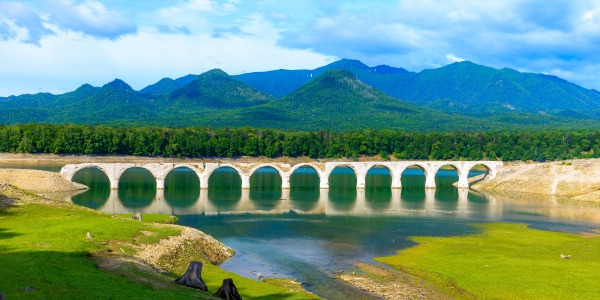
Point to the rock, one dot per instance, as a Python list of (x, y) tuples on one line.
[(192, 277), (228, 291)]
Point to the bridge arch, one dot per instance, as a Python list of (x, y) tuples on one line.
[(285, 177), (181, 186), (476, 178), (380, 166), (245, 179), (140, 189), (323, 179), (193, 167), (354, 169)]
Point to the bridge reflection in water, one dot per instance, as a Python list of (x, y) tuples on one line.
[(323, 204), (183, 195)]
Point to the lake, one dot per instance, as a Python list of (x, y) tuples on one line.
[(307, 233)]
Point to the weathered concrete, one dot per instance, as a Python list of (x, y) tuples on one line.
[(324, 170)]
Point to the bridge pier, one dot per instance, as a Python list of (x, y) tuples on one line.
[(323, 181), (396, 181), (285, 181), (463, 179), (160, 184), (245, 181)]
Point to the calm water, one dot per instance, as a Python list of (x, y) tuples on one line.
[(309, 234)]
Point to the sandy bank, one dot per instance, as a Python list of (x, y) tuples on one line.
[(38, 181), (575, 179)]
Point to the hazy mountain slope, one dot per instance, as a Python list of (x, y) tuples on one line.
[(338, 100), (465, 88), (282, 82)]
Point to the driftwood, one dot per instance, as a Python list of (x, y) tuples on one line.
[(192, 277), (228, 291), (137, 216)]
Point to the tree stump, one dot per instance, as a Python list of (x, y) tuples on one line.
[(137, 216), (228, 291), (192, 277)]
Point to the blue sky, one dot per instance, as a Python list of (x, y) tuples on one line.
[(57, 45)]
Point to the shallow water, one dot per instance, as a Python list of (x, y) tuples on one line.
[(309, 233)]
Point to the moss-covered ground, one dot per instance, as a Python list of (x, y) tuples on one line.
[(45, 254), (507, 261)]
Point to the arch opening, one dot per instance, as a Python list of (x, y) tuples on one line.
[(265, 188), (342, 188), (478, 173), (342, 177), (304, 188), (137, 188), (445, 179), (98, 185), (182, 187), (378, 187), (413, 184), (224, 187)]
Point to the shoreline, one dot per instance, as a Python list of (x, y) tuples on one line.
[(149, 258)]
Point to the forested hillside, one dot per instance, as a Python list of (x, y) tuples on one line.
[(231, 142)]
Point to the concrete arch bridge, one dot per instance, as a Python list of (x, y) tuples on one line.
[(204, 170)]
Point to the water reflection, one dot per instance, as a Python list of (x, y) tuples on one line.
[(182, 196), (182, 188), (137, 188)]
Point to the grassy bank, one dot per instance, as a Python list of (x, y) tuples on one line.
[(45, 254), (507, 261)]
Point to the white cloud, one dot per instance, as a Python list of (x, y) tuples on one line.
[(90, 17), (18, 21), (453, 58), (69, 59)]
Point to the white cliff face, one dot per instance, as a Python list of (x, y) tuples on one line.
[(245, 170)]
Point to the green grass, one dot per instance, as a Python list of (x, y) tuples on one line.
[(507, 261), (45, 246)]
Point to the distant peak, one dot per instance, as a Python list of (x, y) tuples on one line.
[(348, 63), (338, 73), (85, 87), (118, 83), (215, 72), (385, 69)]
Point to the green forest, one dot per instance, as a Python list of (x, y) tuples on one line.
[(234, 142)]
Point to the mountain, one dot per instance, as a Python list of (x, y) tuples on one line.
[(114, 101), (463, 87), (166, 86), (216, 89), (468, 88), (338, 100), (282, 82)]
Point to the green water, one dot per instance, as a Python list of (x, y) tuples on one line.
[(309, 233)]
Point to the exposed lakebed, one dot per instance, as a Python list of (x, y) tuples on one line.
[(309, 234)]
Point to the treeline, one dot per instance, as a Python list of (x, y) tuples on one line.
[(233, 142)]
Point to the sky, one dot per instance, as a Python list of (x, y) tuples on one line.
[(57, 45)]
